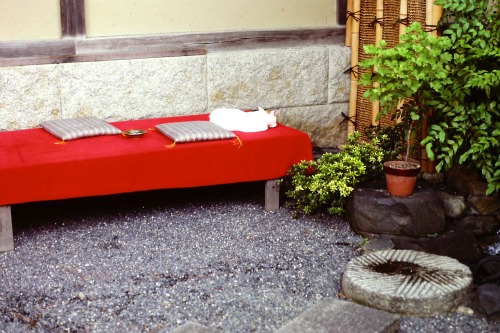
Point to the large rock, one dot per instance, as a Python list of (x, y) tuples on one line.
[(456, 243), (484, 205), (486, 301), (454, 205), (470, 184), (480, 225), (372, 210), (459, 177)]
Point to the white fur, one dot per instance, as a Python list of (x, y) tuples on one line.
[(238, 120)]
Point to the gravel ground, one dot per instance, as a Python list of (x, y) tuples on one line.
[(148, 262)]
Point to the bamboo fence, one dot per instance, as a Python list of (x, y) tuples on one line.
[(368, 22)]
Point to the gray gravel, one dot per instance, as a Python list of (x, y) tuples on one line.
[(151, 261)]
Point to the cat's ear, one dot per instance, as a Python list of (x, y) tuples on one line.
[(260, 109)]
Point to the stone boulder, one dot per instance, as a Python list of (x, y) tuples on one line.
[(372, 210), (456, 243), (454, 205), (470, 184), (480, 225), (486, 301)]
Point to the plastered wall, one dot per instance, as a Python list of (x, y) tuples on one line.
[(40, 19), (127, 17), (29, 19)]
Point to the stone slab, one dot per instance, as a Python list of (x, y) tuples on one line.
[(335, 316), (29, 95), (407, 282), (192, 327), (307, 82), (377, 244), (134, 89), (324, 123), (269, 78), (338, 79), (6, 234)]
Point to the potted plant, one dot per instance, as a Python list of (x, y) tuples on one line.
[(408, 76)]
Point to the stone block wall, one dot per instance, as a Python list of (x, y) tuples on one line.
[(307, 84)]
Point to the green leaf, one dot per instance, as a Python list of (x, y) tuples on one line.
[(429, 151)]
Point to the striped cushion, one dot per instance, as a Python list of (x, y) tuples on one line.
[(189, 131), (74, 128)]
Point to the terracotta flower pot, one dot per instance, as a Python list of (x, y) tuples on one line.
[(401, 177)]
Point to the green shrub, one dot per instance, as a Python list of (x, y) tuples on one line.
[(465, 125), (325, 184), (409, 75)]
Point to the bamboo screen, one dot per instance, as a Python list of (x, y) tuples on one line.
[(368, 22)]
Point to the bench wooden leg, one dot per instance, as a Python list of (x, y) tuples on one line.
[(6, 236), (272, 201)]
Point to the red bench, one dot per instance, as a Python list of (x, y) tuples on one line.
[(36, 166)]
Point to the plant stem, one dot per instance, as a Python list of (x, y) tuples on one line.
[(408, 142)]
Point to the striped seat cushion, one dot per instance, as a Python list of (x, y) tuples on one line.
[(75, 128), (189, 131)]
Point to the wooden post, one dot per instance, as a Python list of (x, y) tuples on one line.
[(72, 18), (354, 62), (272, 195), (6, 235)]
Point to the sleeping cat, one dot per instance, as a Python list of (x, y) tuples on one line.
[(238, 120)]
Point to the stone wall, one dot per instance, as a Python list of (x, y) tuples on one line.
[(307, 84)]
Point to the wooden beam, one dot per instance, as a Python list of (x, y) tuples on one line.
[(153, 46), (73, 18)]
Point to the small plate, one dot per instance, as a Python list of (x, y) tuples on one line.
[(134, 133)]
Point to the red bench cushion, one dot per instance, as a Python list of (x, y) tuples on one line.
[(34, 166)]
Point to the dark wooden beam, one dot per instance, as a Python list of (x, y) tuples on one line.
[(342, 11), (73, 18), (156, 46)]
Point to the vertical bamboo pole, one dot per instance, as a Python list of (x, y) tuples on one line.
[(433, 15), (429, 18), (349, 23), (403, 15), (437, 11), (354, 62), (378, 37), (426, 165)]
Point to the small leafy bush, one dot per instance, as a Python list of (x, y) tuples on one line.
[(325, 184)]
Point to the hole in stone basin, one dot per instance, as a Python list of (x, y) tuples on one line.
[(396, 267)]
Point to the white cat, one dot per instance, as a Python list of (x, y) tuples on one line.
[(238, 120)]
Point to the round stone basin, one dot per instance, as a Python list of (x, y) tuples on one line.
[(407, 282)]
